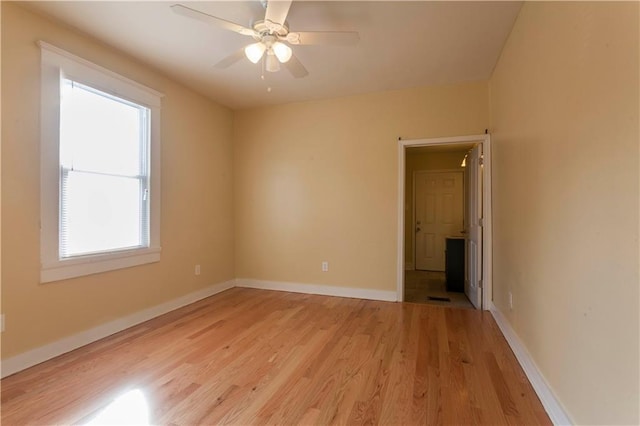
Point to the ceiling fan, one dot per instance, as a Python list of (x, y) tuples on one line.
[(272, 37)]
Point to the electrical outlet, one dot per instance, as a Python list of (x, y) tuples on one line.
[(325, 266), (510, 300), (197, 269)]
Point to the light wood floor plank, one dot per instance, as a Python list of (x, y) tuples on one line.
[(250, 356)]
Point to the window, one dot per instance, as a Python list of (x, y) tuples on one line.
[(99, 169), (104, 200)]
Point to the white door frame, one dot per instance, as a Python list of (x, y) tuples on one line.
[(487, 258)]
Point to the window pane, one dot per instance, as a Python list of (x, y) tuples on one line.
[(100, 133), (100, 213)]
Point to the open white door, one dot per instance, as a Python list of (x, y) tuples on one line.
[(473, 224), (438, 214)]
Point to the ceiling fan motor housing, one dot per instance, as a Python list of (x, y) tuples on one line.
[(268, 28)]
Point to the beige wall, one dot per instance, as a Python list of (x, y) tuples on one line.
[(317, 181), (1, 305), (564, 103), (197, 219), (420, 160)]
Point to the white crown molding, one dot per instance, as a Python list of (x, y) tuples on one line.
[(552, 405)]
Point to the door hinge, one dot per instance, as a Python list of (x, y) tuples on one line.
[(481, 221), (480, 284)]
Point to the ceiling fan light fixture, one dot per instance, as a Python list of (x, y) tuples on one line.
[(255, 51), (271, 63), (282, 51)]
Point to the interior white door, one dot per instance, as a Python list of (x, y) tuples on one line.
[(438, 214), (473, 225)]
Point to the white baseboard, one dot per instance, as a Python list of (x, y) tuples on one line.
[(43, 353), (325, 290), (551, 404), (408, 266), (35, 356)]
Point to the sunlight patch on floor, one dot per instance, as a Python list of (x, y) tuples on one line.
[(130, 408)]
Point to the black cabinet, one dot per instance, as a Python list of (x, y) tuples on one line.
[(454, 264)]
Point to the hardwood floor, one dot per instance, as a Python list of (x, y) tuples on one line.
[(431, 287), (264, 357)]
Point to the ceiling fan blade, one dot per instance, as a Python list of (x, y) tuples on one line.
[(277, 11), (338, 38), (295, 67), (231, 59), (209, 19)]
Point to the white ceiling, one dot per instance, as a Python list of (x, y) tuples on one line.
[(402, 44)]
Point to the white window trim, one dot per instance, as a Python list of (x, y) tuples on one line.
[(56, 62)]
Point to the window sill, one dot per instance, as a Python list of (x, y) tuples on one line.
[(94, 264)]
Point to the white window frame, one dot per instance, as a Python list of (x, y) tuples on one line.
[(55, 64)]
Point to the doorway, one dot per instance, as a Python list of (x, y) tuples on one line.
[(444, 202)]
